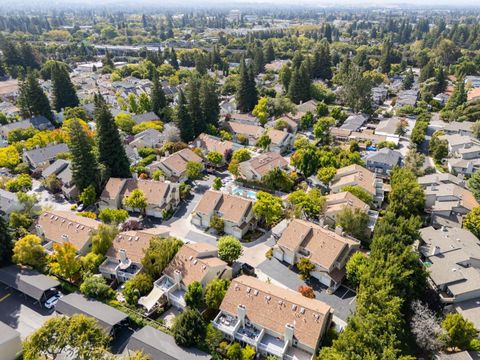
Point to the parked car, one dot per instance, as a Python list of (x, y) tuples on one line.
[(52, 300), (248, 269)]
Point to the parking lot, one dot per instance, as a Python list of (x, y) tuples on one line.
[(342, 301), (21, 312)]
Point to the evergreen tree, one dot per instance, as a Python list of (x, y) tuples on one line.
[(427, 72), (299, 88), (247, 92), (157, 96), (184, 122), (209, 102), (32, 101), (269, 53), (408, 80), (386, 57), (258, 61), (322, 62), (110, 149), (85, 169), (173, 59), (5, 241), (107, 61), (64, 94), (194, 106), (458, 97)]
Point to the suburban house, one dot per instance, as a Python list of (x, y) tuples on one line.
[(208, 143), (448, 204), (439, 179), (292, 125), (390, 128), (42, 157), (249, 131), (124, 258), (456, 142), (235, 211), (383, 161), (334, 203), (463, 128), (37, 122), (461, 166), (272, 319), (256, 168), (307, 106), (161, 195), (149, 116), (62, 226), (193, 262), (282, 140), (9, 202), (452, 258), (175, 166), (406, 97), (63, 171), (328, 250), (354, 122), (357, 175), (147, 138)]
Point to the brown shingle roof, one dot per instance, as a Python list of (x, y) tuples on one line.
[(64, 226), (230, 207), (325, 246), (254, 131), (135, 243), (211, 143), (155, 191), (308, 316), (192, 266), (266, 162), (178, 161), (277, 136), (355, 174), (113, 188), (341, 199)]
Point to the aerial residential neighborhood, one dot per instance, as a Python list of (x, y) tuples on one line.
[(239, 181)]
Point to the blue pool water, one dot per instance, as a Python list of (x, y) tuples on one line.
[(248, 193)]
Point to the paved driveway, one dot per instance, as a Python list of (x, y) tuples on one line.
[(21, 312), (342, 301)]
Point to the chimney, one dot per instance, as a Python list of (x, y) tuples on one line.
[(241, 313), (288, 336), (338, 230), (435, 250), (123, 256), (177, 275)]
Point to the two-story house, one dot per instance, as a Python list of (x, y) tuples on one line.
[(66, 227), (250, 132), (383, 161), (174, 166), (235, 211), (356, 175), (272, 319), (124, 258), (256, 168), (327, 250), (281, 140), (208, 143), (193, 262), (43, 157), (452, 258), (161, 196), (63, 171)]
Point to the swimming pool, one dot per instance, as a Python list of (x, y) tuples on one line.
[(245, 193)]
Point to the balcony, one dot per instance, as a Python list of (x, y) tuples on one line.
[(273, 345), (164, 283), (176, 298), (226, 323), (249, 334)]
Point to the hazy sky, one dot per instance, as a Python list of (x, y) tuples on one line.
[(223, 3)]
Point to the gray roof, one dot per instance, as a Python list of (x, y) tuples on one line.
[(29, 282), (76, 303), (38, 122), (56, 168), (149, 116), (463, 355), (47, 153), (354, 122), (7, 333), (385, 156), (159, 345)]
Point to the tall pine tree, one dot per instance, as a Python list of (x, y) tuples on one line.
[(194, 106), (247, 92), (32, 101), (184, 122), (111, 152), (209, 102), (157, 96), (85, 168), (64, 94)]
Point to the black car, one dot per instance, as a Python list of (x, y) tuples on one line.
[(248, 269)]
